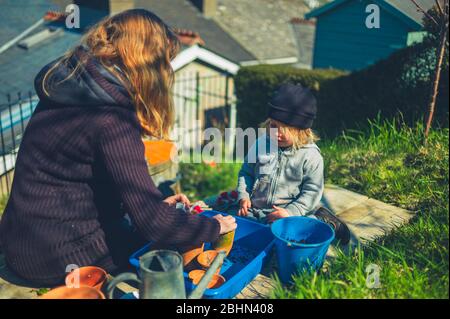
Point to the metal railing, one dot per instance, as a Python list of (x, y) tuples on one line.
[(14, 116), (202, 102)]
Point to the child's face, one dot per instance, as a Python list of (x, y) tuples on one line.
[(282, 137)]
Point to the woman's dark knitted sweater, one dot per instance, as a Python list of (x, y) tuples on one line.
[(80, 165)]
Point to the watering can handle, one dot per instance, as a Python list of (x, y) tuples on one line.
[(127, 276), (198, 291)]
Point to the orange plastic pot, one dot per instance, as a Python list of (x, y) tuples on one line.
[(224, 242), (191, 253), (206, 258), (65, 292), (158, 151), (197, 275), (89, 276), (158, 154)]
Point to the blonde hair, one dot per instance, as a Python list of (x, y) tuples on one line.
[(300, 137), (137, 47)]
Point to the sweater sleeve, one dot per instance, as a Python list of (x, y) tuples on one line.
[(122, 150), (246, 176), (246, 179)]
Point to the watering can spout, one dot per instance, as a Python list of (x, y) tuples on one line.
[(197, 293)]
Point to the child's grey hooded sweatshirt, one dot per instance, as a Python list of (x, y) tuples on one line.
[(288, 178)]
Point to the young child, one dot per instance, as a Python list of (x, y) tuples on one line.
[(287, 180)]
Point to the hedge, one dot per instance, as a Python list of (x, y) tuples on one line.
[(399, 84), (255, 85)]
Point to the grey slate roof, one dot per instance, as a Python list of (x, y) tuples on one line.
[(18, 67), (262, 26), (183, 14), (409, 9), (17, 15)]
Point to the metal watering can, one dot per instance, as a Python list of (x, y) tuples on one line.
[(161, 273)]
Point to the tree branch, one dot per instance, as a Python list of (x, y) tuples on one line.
[(424, 12), (438, 5), (440, 52)]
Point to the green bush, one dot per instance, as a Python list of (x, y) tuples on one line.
[(398, 84), (203, 180), (255, 86)]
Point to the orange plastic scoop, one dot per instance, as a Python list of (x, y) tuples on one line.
[(197, 275)]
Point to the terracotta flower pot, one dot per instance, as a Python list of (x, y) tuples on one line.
[(90, 276), (191, 253), (206, 258), (197, 275), (64, 292), (224, 242)]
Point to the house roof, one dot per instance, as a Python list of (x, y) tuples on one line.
[(17, 15), (403, 9), (19, 66), (196, 52), (184, 15), (262, 26), (410, 10)]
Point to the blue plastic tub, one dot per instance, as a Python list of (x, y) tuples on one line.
[(301, 243), (252, 244)]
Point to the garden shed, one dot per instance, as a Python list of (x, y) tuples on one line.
[(344, 41)]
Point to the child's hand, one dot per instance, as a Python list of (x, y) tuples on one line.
[(244, 204), (278, 213)]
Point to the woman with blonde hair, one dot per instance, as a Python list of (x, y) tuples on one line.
[(81, 163)]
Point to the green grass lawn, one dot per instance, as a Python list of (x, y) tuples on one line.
[(388, 163), (202, 180)]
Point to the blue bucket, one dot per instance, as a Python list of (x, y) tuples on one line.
[(301, 244)]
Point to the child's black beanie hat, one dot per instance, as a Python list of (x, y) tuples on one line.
[(293, 105)]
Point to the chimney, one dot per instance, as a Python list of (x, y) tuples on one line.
[(207, 7), (304, 36), (188, 37), (116, 6)]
